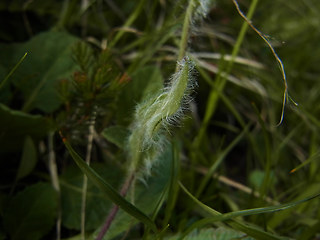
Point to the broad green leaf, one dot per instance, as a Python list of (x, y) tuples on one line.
[(97, 204), (28, 159), (144, 82), (116, 135), (31, 213), (49, 61), (16, 125), (111, 193)]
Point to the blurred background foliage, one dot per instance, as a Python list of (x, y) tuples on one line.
[(93, 61)]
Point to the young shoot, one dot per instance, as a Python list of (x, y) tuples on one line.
[(156, 114)]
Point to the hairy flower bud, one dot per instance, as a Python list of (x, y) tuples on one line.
[(156, 113)]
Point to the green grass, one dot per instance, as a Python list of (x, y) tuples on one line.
[(186, 115)]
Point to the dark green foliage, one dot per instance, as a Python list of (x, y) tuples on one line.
[(49, 61), (117, 135), (97, 204), (28, 158), (31, 213), (16, 125), (222, 173)]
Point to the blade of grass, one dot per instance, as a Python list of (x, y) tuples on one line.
[(12, 71), (268, 150), (218, 161), (308, 161), (250, 230), (159, 204), (128, 23), (174, 186), (304, 190), (111, 193), (150, 45), (170, 193), (218, 217), (233, 110), (221, 80), (185, 30), (85, 179)]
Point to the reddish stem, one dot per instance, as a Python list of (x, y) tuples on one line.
[(114, 210)]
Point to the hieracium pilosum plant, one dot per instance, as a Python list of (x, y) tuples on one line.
[(155, 114)]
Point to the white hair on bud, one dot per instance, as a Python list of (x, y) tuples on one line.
[(202, 9), (154, 116)]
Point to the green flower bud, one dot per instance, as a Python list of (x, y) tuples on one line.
[(156, 114)]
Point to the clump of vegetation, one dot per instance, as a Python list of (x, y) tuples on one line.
[(159, 119)]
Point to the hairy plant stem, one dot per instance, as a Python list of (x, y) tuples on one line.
[(185, 30), (85, 179), (138, 135), (55, 180), (115, 209)]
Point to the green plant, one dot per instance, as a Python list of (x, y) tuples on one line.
[(168, 114)]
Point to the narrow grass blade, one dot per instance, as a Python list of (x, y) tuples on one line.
[(218, 217), (111, 193), (267, 161), (253, 211), (219, 160), (128, 23), (173, 185), (221, 79), (169, 195), (309, 160), (238, 225), (12, 71)]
